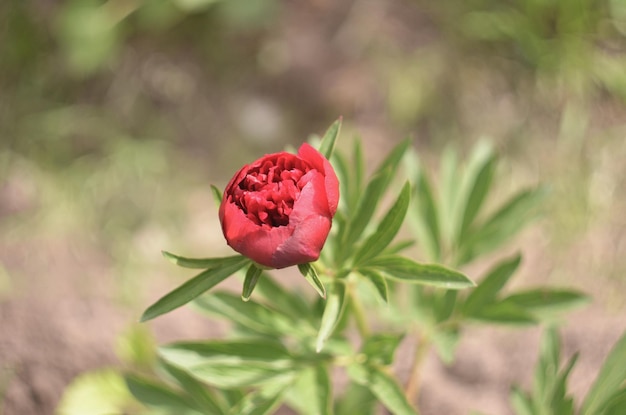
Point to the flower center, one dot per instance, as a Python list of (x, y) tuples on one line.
[(267, 193)]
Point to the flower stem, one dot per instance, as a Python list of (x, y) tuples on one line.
[(411, 390)]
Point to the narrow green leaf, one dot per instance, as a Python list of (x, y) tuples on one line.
[(491, 285), (366, 207), (372, 194), (231, 364), (287, 302), (312, 392), (404, 269), (546, 372), (378, 281), (335, 306), (504, 313), (521, 403), (611, 377), (450, 184), (348, 199), (381, 347), (253, 315), (384, 387), (504, 223), (201, 263), (265, 400), (217, 195), (193, 288), (616, 404), (392, 161), (546, 301), (427, 216), (252, 277), (387, 229), (158, 395), (444, 304), (478, 190), (201, 395), (328, 142), (310, 274), (357, 399), (358, 166)]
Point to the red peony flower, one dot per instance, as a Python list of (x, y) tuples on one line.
[(277, 211)]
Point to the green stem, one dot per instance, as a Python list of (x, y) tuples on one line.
[(412, 387), (359, 315)]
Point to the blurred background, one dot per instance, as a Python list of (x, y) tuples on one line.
[(116, 116)]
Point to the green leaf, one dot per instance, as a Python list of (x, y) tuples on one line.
[(480, 175), (547, 368), (616, 404), (254, 316), (383, 386), (504, 313), (193, 288), (372, 194), (491, 285), (380, 348), (158, 395), (366, 207), (252, 277), (310, 274), (545, 301), (312, 392), (444, 304), (231, 364), (335, 306), (378, 281), (611, 377), (357, 399), (387, 229), (406, 270), (102, 392), (503, 224), (266, 399), (450, 184), (217, 195), (521, 403), (287, 302), (427, 217), (446, 342), (201, 395), (201, 263), (328, 142), (358, 167)]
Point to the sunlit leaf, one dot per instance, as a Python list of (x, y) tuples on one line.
[(101, 392), (521, 403), (328, 141), (312, 393), (611, 377), (252, 315), (427, 217), (231, 364), (193, 288), (491, 285), (335, 305), (287, 302), (479, 175), (310, 274), (383, 386), (406, 270), (387, 228)]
